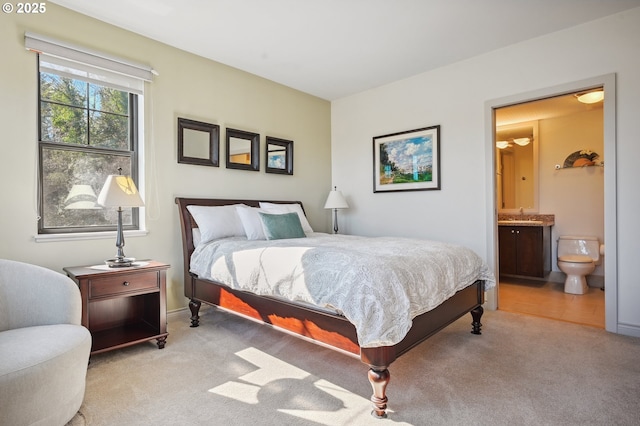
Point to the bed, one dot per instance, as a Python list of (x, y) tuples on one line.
[(323, 287)]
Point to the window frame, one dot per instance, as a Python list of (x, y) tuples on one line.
[(133, 153)]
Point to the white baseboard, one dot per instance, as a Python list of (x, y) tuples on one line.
[(596, 281), (629, 330), (556, 277)]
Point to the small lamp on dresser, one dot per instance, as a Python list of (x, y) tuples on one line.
[(335, 201), (120, 191)]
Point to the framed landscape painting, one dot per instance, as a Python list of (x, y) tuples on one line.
[(407, 161)]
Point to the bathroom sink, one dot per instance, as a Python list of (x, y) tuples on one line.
[(524, 222)]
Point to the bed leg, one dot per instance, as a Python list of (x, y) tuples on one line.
[(194, 307), (379, 379), (476, 314)]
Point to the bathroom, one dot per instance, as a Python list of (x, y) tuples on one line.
[(559, 172)]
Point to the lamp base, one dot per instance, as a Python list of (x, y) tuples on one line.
[(120, 262)]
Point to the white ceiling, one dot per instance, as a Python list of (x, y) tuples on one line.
[(335, 48)]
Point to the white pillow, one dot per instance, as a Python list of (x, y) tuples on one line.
[(197, 236), (250, 219), (288, 208), (217, 221)]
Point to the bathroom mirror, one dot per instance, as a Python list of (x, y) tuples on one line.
[(198, 143), (279, 157), (517, 167), (243, 150)]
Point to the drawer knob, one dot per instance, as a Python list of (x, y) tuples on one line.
[(126, 283)]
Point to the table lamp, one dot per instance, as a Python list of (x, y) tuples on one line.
[(335, 201), (119, 191)]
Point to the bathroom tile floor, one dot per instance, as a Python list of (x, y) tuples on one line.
[(548, 299)]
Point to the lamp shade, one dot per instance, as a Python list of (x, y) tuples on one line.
[(81, 197), (120, 191), (336, 200)]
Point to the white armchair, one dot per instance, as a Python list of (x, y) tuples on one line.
[(44, 351)]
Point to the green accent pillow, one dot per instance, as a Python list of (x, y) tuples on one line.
[(280, 226)]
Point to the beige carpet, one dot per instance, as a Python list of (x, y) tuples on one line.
[(230, 371)]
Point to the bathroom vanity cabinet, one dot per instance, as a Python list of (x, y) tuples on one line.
[(525, 250)]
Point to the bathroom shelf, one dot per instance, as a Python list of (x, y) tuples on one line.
[(558, 166)]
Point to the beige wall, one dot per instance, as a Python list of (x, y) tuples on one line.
[(455, 97), (188, 86)]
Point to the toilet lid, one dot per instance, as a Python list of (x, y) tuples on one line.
[(575, 258)]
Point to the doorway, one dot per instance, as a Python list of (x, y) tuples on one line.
[(609, 192), (529, 137)]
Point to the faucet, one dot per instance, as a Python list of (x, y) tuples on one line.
[(521, 212)]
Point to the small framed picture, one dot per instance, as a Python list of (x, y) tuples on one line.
[(279, 156)]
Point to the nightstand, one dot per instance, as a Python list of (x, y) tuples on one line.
[(123, 306)]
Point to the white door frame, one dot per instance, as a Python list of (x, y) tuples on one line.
[(608, 81)]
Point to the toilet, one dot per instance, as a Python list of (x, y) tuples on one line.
[(577, 257)]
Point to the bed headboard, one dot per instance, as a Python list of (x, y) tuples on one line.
[(187, 223)]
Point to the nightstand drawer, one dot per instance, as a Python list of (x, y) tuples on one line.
[(109, 286)]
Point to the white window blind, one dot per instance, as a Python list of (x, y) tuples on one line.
[(83, 64)]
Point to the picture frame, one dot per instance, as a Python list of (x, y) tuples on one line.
[(407, 161), (243, 150), (198, 143), (279, 158)]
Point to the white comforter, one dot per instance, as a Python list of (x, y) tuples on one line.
[(379, 284)]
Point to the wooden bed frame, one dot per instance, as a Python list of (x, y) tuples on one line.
[(320, 326)]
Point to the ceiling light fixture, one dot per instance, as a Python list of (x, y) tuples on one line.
[(591, 97), (522, 141)]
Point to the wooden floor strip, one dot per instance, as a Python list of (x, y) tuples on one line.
[(548, 300)]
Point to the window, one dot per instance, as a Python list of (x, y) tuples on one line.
[(88, 129), (87, 132)]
